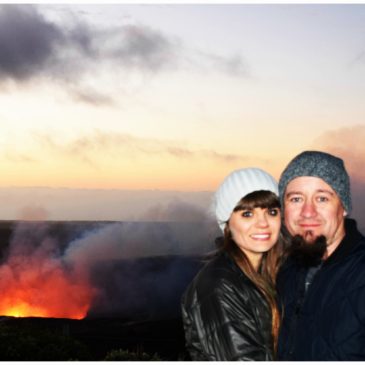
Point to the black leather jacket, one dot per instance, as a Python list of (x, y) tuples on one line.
[(225, 316)]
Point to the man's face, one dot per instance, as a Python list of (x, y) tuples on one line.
[(312, 208)]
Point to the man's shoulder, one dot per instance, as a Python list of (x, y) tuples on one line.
[(356, 253), (355, 265)]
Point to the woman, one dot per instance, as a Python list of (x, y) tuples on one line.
[(229, 310)]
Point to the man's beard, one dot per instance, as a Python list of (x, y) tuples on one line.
[(308, 252)]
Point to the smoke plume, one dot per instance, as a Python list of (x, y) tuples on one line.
[(74, 270)]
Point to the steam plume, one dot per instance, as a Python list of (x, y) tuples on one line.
[(70, 270)]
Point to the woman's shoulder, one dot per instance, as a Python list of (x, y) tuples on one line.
[(218, 281), (220, 264), (221, 271)]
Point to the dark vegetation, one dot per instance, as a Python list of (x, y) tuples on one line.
[(50, 339)]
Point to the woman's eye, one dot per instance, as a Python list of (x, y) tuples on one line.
[(274, 212), (246, 213)]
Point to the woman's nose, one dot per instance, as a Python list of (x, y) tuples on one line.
[(262, 220)]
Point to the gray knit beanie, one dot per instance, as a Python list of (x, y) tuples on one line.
[(329, 168)]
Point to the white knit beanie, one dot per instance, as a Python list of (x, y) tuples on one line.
[(237, 185)]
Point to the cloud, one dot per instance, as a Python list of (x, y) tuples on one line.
[(33, 213), (72, 51), (234, 66), (92, 97), (85, 147), (34, 48), (348, 143), (27, 42), (177, 211), (185, 153), (18, 158), (143, 47), (358, 59)]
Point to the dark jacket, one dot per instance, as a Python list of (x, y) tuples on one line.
[(225, 316), (327, 322)]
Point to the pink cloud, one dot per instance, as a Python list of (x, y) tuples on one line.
[(348, 143)]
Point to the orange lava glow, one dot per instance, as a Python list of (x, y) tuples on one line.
[(43, 289)]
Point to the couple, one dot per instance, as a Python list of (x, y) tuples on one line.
[(290, 292)]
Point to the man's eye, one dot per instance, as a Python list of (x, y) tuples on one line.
[(322, 199), (295, 199)]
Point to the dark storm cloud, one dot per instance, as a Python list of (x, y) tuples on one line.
[(69, 53), (81, 37), (27, 41), (33, 47)]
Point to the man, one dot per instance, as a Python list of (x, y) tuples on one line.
[(321, 286)]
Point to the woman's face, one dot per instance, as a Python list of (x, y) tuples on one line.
[(255, 230)]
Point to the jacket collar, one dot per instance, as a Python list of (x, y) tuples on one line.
[(349, 242)]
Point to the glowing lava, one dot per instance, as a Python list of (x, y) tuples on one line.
[(46, 290), (34, 282)]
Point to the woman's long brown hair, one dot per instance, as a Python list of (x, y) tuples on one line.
[(265, 277)]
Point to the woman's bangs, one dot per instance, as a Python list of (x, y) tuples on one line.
[(258, 199)]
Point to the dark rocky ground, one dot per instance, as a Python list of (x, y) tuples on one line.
[(32, 339)]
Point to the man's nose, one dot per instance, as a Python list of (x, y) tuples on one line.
[(308, 210)]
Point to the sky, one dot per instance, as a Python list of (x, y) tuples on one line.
[(120, 111)]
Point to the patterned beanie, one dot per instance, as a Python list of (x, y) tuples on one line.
[(237, 185), (329, 168)]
